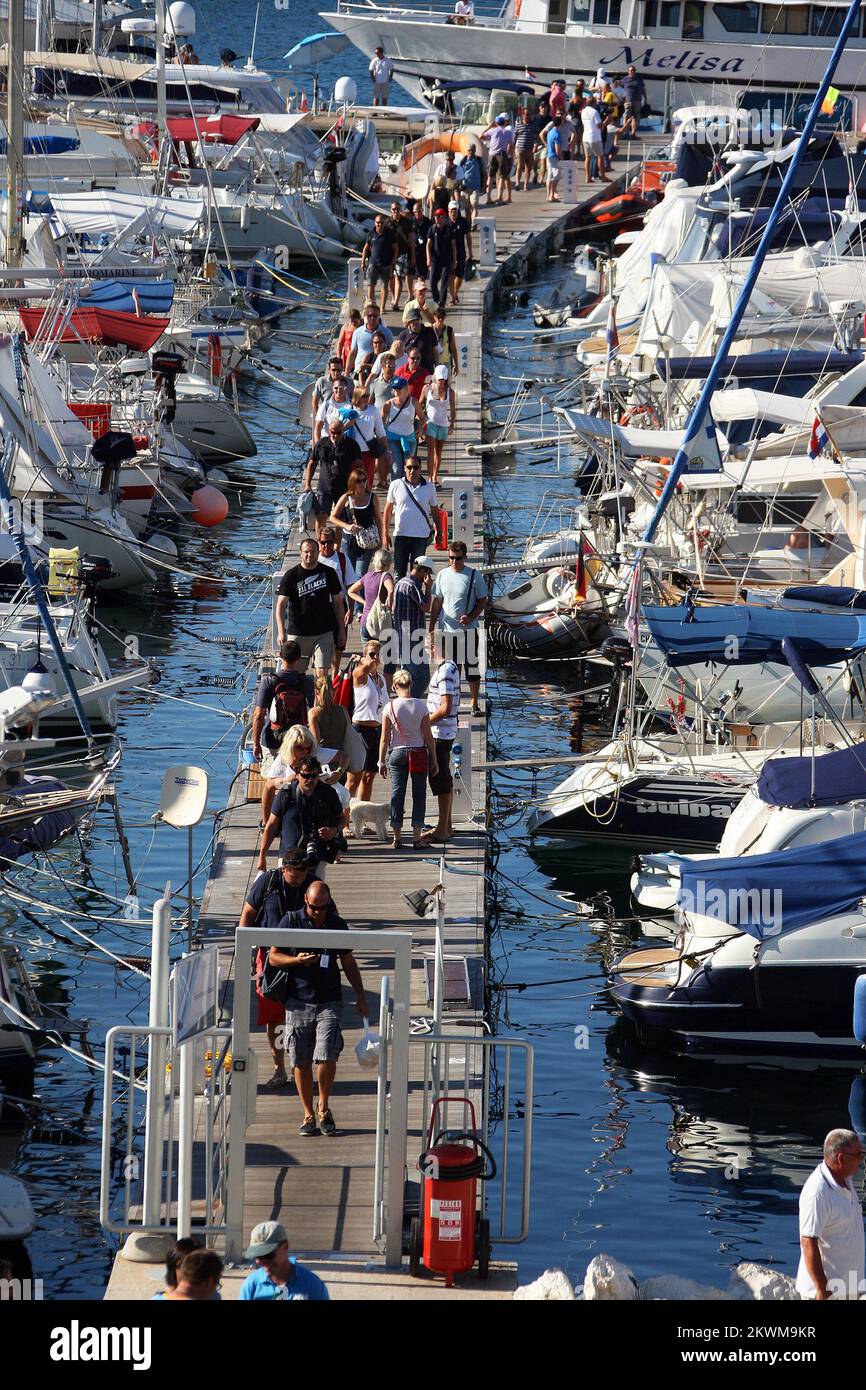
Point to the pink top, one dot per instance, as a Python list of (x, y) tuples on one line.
[(406, 716)]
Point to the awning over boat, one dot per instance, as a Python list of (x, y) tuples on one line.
[(743, 634), (634, 443), (797, 362), (766, 895), (744, 403), (837, 777), (224, 129), (104, 212), (827, 595), (131, 296)]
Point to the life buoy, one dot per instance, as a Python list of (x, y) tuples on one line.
[(633, 412)]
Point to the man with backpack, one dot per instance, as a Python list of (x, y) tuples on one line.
[(307, 815), (284, 698), (268, 900)]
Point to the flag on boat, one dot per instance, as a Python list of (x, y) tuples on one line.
[(828, 105), (703, 452), (612, 335), (819, 439)]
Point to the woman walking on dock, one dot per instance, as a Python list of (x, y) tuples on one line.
[(359, 518), (370, 691), (408, 751), (440, 407)]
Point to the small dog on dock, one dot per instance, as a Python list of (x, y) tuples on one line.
[(369, 813)]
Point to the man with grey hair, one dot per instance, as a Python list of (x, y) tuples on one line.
[(831, 1223)]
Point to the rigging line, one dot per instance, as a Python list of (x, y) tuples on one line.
[(66, 1047)]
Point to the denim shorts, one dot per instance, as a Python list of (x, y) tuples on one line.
[(313, 1033), (436, 431)]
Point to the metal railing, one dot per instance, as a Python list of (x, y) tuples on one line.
[(123, 1128)]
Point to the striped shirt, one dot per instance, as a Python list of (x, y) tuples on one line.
[(408, 616), (444, 681)]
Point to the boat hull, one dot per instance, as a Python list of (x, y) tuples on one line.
[(649, 810)]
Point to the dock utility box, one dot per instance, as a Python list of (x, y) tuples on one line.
[(463, 986)]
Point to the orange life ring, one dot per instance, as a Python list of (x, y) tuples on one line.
[(630, 414)]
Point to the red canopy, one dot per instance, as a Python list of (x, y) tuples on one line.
[(223, 129)]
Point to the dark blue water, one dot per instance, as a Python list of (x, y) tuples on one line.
[(634, 1154)]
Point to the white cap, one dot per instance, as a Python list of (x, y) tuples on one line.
[(501, 117), (441, 372), (454, 204)]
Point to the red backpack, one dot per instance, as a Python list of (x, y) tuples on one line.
[(288, 705)]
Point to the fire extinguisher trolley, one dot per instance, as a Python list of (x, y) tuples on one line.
[(451, 1233)]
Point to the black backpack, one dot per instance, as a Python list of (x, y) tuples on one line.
[(288, 705)]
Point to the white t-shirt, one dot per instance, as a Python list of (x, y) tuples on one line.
[(337, 562), (833, 1214), (465, 9), (366, 427), (408, 519), (409, 714), (444, 681), (591, 125), (381, 70)]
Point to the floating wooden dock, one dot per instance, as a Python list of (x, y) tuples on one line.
[(322, 1188)]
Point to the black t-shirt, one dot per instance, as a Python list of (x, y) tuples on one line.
[(426, 342), (335, 463), (382, 246), (421, 229), (310, 594), (440, 240), (314, 983), (272, 897), (459, 230), (300, 815)]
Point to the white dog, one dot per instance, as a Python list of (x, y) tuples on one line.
[(374, 813)]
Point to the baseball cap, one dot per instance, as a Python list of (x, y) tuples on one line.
[(264, 1239), (440, 212), (441, 372), (454, 204), (423, 562), (501, 117)]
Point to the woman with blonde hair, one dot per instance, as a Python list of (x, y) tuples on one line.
[(329, 723), (368, 432), (298, 743), (407, 749)]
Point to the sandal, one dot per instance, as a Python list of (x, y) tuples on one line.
[(276, 1082), (397, 842)]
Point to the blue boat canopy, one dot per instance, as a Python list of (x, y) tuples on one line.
[(45, 144), (802, 362), (828, 595), (499, 84), (743, 634), (838, 777), (766, 895), (154, 296)]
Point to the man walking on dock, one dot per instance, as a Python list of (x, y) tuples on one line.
[(459, 596), (831, 1223), (309, 595), (314, 1004), (307, 815)]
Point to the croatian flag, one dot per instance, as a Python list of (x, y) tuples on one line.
[(818, 440), (612, 335)]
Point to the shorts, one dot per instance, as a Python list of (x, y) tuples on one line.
[(381, 90), (593, 149), (320, 648), (553, 169), (267, 1010), (500, 164), (324, 503), (441, 780), (525, 159), (371, 734), (436, 431), (462, 648), (401, 266), (313, 1033), (377, 273)]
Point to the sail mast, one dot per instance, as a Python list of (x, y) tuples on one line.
[(14, 131)]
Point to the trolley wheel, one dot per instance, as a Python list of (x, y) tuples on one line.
[(415, 1247), (483, 1247)]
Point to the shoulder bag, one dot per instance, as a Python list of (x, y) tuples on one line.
[(418, 759), (379, 619), (368, 536), (426, 515)]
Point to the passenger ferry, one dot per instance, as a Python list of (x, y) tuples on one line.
[(686, 50)]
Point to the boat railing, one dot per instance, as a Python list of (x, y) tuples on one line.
[(486, 14)]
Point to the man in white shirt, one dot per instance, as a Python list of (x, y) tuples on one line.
[(330, 554), (443, 702), (831, 1223), (464, 12), (381, 71), (593, 140), (407, 520)]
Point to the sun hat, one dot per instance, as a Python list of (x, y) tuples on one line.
[(441, 372), (264, 1239)]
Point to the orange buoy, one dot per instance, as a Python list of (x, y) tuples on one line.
[(210, 506)]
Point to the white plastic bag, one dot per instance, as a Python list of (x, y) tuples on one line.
[(367, 1050)]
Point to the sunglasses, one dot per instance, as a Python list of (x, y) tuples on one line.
[(308, 776), (312, 907), (413, 468), (414, 357)]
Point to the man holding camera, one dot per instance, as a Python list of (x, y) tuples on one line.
[(308, 816), (314, 1005)]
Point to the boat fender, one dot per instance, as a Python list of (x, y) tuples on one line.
[(860, 1009), (857, 1101)]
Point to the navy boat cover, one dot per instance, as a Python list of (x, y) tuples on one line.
[(838, 777), (828, 595), (766, 895)]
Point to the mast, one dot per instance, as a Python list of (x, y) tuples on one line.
[(161, 109), (14, 131), (696, 418), (96, 34)]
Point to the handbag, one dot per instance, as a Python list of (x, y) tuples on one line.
[(418, 759), (354, 748), (379, 619), (374, 446), (368, 537)]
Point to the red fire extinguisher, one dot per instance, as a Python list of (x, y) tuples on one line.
[(454, 1233)]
